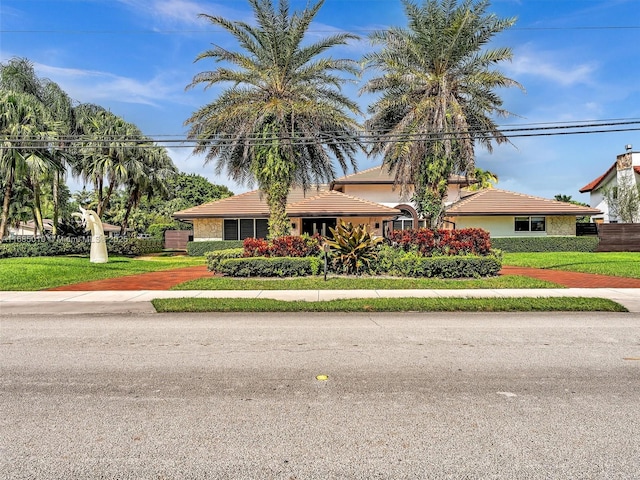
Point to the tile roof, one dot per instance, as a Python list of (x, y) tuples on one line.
[(502, 202), (381, 175), (596, 183), (320, 202), (334, 203)]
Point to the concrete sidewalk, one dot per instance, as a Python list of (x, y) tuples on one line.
[(138, 301)]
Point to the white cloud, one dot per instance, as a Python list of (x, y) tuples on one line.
[(180, 11), (95, 86), (549, 66)]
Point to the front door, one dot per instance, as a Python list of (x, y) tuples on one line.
[(312, 226)]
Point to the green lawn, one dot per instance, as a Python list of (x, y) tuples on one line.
[(619, 264), (38, 273), (565, 304)]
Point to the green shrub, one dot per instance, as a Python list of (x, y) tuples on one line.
[(198, 249), (462, 266), (78, 246), (352, 248), (156, 230), (214, 258), (545, 244), (270, 266)]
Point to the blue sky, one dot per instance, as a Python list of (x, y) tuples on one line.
[(579, 61)]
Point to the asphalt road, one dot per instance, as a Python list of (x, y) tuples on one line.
[(235, 396)]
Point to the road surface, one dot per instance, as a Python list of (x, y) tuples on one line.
[(235, 396)]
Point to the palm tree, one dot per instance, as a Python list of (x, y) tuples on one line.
[(437, 95), (26, 128), (284, 116), (18, 75), (482, 179), (150, 179)]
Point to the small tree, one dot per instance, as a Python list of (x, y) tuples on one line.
[(623, 200)]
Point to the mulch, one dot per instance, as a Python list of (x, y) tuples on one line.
[(164, 280)]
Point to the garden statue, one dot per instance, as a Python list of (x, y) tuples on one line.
[(91, 222)]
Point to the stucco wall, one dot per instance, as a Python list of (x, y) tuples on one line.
[(505, 226), (369, 222), (205, 229)]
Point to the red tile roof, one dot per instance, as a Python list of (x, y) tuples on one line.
[(596, 183), (381, 175), (314, 203), (502, 202)]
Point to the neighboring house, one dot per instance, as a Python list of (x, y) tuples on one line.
[(625, 171), (28, 229), (370, 198)]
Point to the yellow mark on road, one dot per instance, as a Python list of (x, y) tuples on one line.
[(632, 358), (322, 378)]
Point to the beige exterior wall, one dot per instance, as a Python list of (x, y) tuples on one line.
[(369, 222), (561, 226), (505, 226), (205, 229)]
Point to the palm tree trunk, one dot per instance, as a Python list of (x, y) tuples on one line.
[(56, 203), (37, 208), (278, 220), (4, 222)]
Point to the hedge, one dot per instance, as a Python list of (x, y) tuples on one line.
[(448, 266), (78, 246), (270, 266), (199, 249), (545, 244), (214, 258)]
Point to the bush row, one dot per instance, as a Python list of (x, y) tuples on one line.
[(199, 249), (76, 246), (270, 266), (466, 241), (288, 246), (546, 244), (214, 258)]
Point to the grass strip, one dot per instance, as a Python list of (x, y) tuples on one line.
[(38, 273), (617, 264), (525, 304), (362, 283)]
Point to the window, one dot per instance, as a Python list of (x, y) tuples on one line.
[(530, 224), (239, 229)]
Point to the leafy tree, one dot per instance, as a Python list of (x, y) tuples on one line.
[(437, 95), (483, 179), (623, 200), (284, 116)]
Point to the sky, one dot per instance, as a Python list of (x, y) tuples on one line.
[(577, 60)]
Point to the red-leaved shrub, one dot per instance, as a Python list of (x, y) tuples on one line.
[(467, 241)]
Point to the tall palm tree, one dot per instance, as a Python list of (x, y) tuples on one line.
[(437, 95), (284, 117), (26, 128), (18, 75), (482, 179)]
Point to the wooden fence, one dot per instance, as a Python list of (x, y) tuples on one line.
[(619, 237), (177, 239)]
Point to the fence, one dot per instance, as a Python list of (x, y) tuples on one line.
[(619, 237), (177, 239)]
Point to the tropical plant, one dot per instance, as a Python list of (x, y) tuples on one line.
[(437, 95), (482, 179), (352, 248), (284, 117)]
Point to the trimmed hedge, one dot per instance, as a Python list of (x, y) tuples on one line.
[(466, 241), (270, 266), (214, 258), (545, 244), (199, 249), (466, 266), (78, 246)]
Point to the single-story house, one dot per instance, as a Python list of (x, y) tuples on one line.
[(371, 198), (625, 170), (28, 229)]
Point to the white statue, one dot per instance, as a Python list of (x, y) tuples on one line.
[(91, 222)]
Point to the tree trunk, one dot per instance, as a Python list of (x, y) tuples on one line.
[(4, 222), (56, 203), (278, 221), (37, 208)]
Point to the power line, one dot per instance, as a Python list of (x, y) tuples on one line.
[(80, 142)]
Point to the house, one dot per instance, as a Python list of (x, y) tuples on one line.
[(28, 229), (371, 198), (625, 171)]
